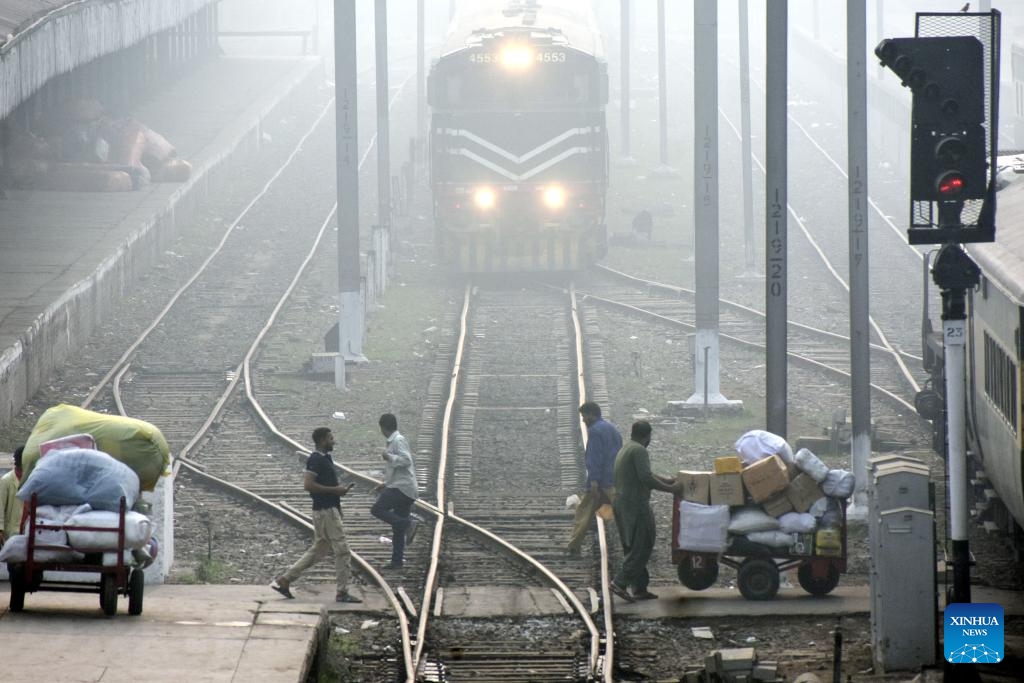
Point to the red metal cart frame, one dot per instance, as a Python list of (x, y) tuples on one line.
[(118, 578), (758, 567)]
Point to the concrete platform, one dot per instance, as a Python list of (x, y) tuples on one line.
[(185, 633), (67, 257)]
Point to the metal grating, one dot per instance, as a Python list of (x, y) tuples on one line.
[(986, 28)]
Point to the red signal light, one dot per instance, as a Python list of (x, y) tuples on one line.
[(950, 185)]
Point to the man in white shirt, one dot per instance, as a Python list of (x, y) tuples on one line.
[(398, 492)]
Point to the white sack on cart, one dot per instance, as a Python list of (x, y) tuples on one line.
[(797, 523), (58, 514), (758, 444), (775, 539), (703, 528), (16, 550), (137, 530), (110, 558), (812, 465), (750, 519), (838, 484), (79, 475)]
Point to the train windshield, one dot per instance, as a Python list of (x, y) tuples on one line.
[(482, 81)]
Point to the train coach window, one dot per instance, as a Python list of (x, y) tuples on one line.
[(1001, 380)]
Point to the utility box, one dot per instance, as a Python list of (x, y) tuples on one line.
[(902, 543), (906, 573)]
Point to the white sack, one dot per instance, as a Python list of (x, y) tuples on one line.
[(703, 528), (838, 484), (110, 558), (819, 506), (79, 475), (58, 514), (16, 550), (758, 444), (797, 522), (775, 539), (137, 530), (750, 519), (812, 465)]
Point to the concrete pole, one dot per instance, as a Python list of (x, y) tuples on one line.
[(749, 248), (857, 183), (421, 76), (776, 226), (624, 66), (350, 298), (662, 88), (383, 124), (705, 193)]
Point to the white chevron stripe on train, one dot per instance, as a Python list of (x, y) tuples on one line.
[(519, 159)]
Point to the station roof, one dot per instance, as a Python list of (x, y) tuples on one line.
[(574, 18), (40, 39)]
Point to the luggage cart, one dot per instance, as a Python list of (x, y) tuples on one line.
[(758, 566), (115, 579)]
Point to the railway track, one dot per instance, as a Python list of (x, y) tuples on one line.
[(816, 348), (179, 375), (512, 392)]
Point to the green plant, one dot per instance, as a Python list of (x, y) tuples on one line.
[(212, 570)]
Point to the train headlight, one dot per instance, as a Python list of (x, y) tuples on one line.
[(554, 198), (516, 57), (484, 198)]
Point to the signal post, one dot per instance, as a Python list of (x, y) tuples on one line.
[(952, 192)]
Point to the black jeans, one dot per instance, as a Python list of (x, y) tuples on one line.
[(393, 507)]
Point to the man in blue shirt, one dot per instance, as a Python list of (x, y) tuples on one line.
[(603, 442)]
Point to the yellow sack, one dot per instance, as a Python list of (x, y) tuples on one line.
[(136, 443)]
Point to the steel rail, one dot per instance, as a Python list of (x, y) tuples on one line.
[(607, 665), (803, 360), (831, 269), (430, 584), (130, 351), (243, 369)]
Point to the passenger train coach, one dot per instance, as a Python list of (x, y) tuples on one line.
[(995, 354), (518, 143), (995, 361)]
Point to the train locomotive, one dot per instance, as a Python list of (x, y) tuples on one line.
[(518, 141), (995, 360)]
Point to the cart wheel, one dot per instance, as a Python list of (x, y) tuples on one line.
[(136, 584), (818, 585), (697, 571), (17, 575), (758, 578), (108, 594)]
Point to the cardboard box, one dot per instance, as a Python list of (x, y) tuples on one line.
[(729, 464), (792, 471), (777, 505), (765, 478), (696, 486), (727, 489), (802, 492)]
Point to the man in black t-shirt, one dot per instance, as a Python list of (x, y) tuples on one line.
[(321, 481)]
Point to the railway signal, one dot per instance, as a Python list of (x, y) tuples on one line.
[(948, 148)]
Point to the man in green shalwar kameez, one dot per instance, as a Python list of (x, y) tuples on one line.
[(633, 515)]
